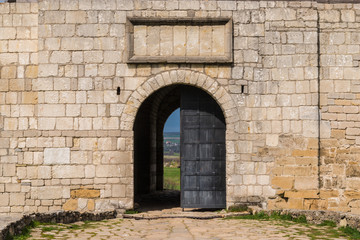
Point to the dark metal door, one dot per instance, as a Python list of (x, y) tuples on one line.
[(202, 151)]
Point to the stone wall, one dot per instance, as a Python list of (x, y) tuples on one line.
[(339, 103), (67, 138)]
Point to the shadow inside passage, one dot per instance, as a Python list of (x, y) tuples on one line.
[(158, 200)]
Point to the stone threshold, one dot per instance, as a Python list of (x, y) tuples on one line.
[(142, 216)]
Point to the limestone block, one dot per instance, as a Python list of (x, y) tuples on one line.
[(112, 57), (132, 83), (54, 16), (54, 156), (75, 17), (309, 112), (80, 157), (47, 70), (205, 40), (51, 110), (166, 40), (329, 16), (118, 190), (92, 30), (7, 33), (277, 14), (44, 172), (8, 58), (89, 110), (348, 15), (75, 43), (69, 5), (91, 70), (4, 199), (9, 171), (95, 97), (192, 41), (124, 5), (23, 45), (26, 110), (93, 56), (17, 199), (68, 171), (351, 73), (272, 140), (60, 57), (153, 41), (179, 40), (140, 32), (218, 39), (252, 30), (64, 124), (46, 123), (106, 70), (111, 123), (63, 30), (11, 124), (85, 84), (295, 37), (47, 192), (110, 171)]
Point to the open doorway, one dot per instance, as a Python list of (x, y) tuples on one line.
[(172, 152), (202, 150)]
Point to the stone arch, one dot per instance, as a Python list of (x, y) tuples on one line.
[(180, 76)]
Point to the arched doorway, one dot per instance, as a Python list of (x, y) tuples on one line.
[(202, 140)]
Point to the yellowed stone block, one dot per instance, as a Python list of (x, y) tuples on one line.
[(8, 72), (304, 153), (302, 194), (4, 85), (30, 97), (295, 203), (91, 205), (71, 205), (85, 193), (17, 84), (282, 182)]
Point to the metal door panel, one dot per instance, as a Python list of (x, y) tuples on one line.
[(202, 151)]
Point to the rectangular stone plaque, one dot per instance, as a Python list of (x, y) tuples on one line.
[(186, 40)]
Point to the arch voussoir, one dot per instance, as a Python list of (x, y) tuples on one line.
[(180, 76)]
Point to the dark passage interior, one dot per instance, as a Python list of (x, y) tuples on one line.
[(148, 147)]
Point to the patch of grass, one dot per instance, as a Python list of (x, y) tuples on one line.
[(238, 208), (131, 211), (327, 223), (25, 233), (273, 216), (171, 178), (353, 233)]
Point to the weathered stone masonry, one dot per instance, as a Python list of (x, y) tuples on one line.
[(288, 82)]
